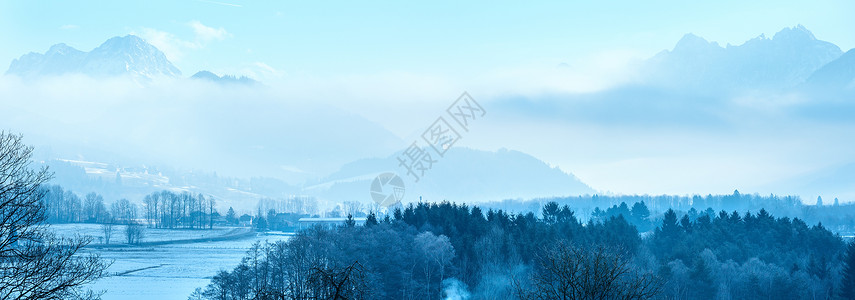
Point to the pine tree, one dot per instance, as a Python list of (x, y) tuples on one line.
[(686, 224), (666, 236), (669, 224), (349, 222), (847, 289), (399, 215), (550, 212), (230, 216), (640, 211), (371, 220)]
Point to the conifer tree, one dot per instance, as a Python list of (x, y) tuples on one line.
[(847, 289)]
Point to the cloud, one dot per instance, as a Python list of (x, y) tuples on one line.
[(207, 34), (172, 46), (256, 70), (175, 47), (601, 71), (624, 141), (69, 27), (205, 127), (265, 68)]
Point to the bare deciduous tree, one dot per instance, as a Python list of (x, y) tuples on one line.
[(134, 233), (33, 263), (351, 208), (94, 210), (123, 211), (568, 272), (107, 228), (339, 283)]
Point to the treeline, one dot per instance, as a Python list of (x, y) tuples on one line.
[(64, 206), (305, 205), (443, 250), (419, 252), (279, 214), (748, 256), (638, 215), (167, 209), (834, 215), (164, 209)]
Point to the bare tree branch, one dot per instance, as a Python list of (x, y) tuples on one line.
[(568, 272), (33, 263)]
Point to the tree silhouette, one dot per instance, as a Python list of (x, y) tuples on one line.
[(568, 272), (33, 263), (847, 289), (371, 220)]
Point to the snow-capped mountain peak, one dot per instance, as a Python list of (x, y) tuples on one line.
[(119, 56)]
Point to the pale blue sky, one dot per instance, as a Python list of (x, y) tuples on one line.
[(435, 37)]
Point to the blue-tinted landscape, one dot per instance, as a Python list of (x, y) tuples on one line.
[(280, 150)]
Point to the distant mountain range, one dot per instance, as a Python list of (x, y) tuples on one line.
[(225, 79), (694, 83), (838, 73), (787, 60), (792, 57), (462, 175), (118, 56)]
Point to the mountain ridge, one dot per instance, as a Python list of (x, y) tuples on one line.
[(786, 60), (118, 56), (463, 174), (225, 79), (838, 73)]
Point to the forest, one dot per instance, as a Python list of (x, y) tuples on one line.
[(839, 217), (667, 247), (454, 251)]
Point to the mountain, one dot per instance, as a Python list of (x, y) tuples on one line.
[(462, 175), (838, 73), (135, 182), (786, 60), (128, 55), (225, 79)]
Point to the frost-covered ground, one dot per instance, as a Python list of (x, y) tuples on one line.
[(167, 271)]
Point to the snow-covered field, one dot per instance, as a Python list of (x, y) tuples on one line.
[(149, 235), (166, 271)]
